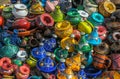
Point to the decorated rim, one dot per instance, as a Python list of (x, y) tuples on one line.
[(64, 25), (20, 6), (83, 13), (73, 14), (97, 17), (47, 20), (21, 53), (5, 60), (24, 70), (101, 30), (109, 6), (116, 36)]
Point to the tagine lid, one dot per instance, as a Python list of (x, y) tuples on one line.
[(20, 6)]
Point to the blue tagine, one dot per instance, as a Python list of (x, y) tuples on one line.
[(93, 38), (47, 65)]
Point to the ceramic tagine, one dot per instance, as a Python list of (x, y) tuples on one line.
[(8, 50), (63, 29), (69, 42), (106, 8), (73, 16), (47, 65), (44, 20), (7, 12), (93, 38), (74, 62), (1, 21), (21, 24), (61, 53), (67, 74), (83, 45), (61, 65), (81, 73), (57, 15), (85, 26), (90, 6), (50, 5), (20, 10), (23, 72), (39, 52), (36, 8), (31, 61), (65, 5), (96, 18)]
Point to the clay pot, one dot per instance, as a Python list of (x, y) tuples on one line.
[(101, 61), (21, 24)]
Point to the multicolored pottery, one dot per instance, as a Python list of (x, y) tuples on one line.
[(31, 61)]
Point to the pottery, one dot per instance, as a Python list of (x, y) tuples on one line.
[(86, 27), (23, 72), (20, 10), (36, 8), (5, 60), (89, 59), (50, 5), (38, 52), (81, 73), (22, 55), (8, 50), (15, 40), (43, 2), (7, 69), (21, 24), (90, 6), (7, 12), (17, 62), (74, 62), (57, 15), (63, 29), (47, 65), (1, 21), (115, 47), (102, 32), (92, 72), (76, 3), (115, 1), (31, 61), (115, 62), (113, 25), (83, 14), (101, 61), (106, 8), (83, 45), (65, 5), (110, 75), (93, 38), (33, 42), (67, 74), (61, 53), (68, 42), (44, 20), (77, 34), (35, 77), (73, 16), (61, 66), (50, 44), (96, 19), (103, 48)]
